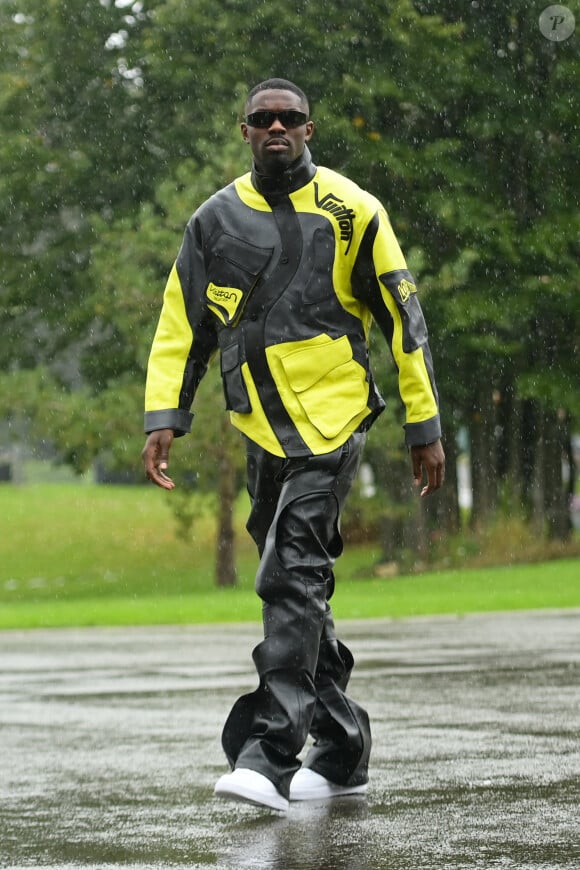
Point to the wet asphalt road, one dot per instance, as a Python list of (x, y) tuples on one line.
[(109, 749)]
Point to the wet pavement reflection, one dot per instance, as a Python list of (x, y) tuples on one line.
[(109, 750)]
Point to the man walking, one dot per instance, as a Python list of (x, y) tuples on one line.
[(283, 271)]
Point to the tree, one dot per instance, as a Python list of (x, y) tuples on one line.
[(73, 144), (513, 308), (117, 121)]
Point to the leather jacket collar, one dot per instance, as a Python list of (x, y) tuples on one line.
[(294, 177)]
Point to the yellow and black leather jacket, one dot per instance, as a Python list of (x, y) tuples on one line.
[(285, 275)]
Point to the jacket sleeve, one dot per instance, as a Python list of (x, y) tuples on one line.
[(382, 281), (184, 341)]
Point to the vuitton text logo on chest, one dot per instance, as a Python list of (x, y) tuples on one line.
[(343, 215)]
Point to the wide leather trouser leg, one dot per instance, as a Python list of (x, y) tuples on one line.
[(340, 727), (302, 669)]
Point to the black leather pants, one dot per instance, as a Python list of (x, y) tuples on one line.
[(303, 669)]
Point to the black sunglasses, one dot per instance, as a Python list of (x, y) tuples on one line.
[(289, 118)]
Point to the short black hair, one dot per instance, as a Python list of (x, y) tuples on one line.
[(278, 85)]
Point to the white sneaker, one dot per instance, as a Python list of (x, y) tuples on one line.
[(247, 785), (307, 785)]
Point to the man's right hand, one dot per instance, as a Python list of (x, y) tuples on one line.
[(155, 457)]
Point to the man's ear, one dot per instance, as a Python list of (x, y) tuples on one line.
[(244, 129), (309, 131)]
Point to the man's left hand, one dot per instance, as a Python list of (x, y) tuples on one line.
[(431, 458)]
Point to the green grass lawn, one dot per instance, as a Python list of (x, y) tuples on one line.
[(74, 554)]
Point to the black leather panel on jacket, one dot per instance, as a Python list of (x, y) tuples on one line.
[(401, 286)]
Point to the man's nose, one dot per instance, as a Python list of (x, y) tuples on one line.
[(277, 124)]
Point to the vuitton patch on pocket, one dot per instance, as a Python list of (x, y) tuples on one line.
[(225, 302)]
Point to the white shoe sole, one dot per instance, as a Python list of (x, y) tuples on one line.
[(227, 787), (325, 793), (310, 786)]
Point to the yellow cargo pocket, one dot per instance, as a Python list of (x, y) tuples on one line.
[(329, 384)]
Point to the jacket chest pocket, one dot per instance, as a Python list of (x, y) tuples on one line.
[(235, 269)]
